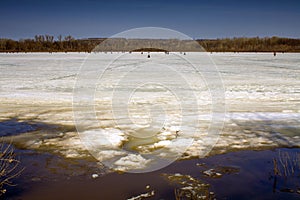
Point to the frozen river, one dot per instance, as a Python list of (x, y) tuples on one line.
[(169, 106)]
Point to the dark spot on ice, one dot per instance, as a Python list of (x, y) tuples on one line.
[(15, 127)]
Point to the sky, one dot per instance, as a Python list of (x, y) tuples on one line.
[(199, 19)]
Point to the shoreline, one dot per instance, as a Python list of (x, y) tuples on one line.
[(63, 140)]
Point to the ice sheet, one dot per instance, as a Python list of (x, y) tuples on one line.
[(262, 98)]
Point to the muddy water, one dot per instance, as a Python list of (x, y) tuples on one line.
[(244, 175)]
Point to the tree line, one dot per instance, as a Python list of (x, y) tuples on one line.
[(48, 43), (267, 44)]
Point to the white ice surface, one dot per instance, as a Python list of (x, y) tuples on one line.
[(262, 98)]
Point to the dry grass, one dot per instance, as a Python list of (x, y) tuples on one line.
[(286, 167), (286, 164), (9, 166)]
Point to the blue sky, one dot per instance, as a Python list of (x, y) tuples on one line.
[(198, 19)]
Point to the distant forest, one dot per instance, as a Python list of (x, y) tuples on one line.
[(47, 43)]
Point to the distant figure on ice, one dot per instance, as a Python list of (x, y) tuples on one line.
[(274, 53), (148, 55), (184, 53)]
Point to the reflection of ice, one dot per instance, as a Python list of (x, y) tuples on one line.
[(262, 100)]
